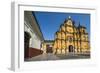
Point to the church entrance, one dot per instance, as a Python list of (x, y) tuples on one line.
[(49, 49), (71, 49), (27, 37)]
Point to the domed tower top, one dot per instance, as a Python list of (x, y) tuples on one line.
[(69, 17)]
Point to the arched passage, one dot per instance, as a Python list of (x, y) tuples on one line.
[(27, 37)]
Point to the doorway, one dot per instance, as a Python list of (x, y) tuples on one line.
[(71, 49)]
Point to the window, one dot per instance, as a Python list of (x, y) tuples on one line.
[(83, 31), (70, 39)]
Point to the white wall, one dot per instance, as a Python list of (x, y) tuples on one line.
[(35, 41), (5, 48)]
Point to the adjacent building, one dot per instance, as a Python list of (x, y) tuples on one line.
[(47, 46), (33, 36)]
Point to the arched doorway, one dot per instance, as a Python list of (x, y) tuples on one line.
[(71, 49), (27, 37)]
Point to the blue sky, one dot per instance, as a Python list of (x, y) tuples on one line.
[(50, 22)]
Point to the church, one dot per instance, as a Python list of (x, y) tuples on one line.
[(70, 38)]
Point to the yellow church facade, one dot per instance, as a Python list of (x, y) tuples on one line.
[(71, 39)]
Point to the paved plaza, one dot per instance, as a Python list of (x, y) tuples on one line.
[(50, 56)]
